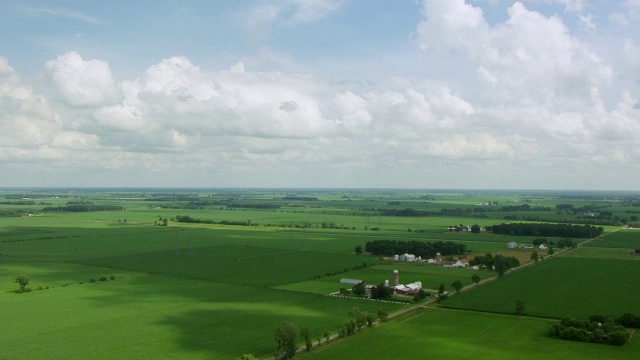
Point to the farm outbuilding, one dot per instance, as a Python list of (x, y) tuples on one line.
[(409, 289), (461, 263), (351, 281), (512, 245)]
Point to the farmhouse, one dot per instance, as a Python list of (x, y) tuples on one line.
[(351, 281)]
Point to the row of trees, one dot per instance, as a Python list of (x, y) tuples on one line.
[(551, 230), (287, 334), (188, 219), (84, 208), (424, 249)]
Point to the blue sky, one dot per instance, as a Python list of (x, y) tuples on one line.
[(321, 93)]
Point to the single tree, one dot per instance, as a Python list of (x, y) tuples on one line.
[(457, 285), (358, 249), (475, 278), (359, 289), (441, 290), (500, 265), (519, 307), (371, 318), (306, 336), (359, 316), (475, 229), (22, 281), (383, 315), (550, 251), (534, 256), (287, 334)]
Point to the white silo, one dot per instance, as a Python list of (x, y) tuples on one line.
[(438, 259), (386, 283), (396, 277), (396, 257)]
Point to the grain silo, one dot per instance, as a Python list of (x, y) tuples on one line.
[(386, 283), (396, 277), (438, 259)]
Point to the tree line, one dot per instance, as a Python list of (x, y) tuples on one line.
[(84, 208), (424, 249), (190, 220), (551, 230)]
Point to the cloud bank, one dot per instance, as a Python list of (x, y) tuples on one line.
[(539, 117)]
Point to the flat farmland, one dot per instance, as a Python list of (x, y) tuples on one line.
[(217, 290), (625, 239), (443, 333), (246, 265), (159, 316), (562, 286)]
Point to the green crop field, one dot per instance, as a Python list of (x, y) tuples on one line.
[(218, 288), (441, 333), (563, 286), (626, 239)]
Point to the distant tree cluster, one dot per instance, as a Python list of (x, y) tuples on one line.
[(10, 213), (523, 207), (592, 330), (381, 292), (21, 202), (188, 219), (300, 198), (499, 262), (84, 208), (552, 230), (418, 248), (254, 206), (408, 212)]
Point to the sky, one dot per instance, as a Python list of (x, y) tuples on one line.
[(476, 94)]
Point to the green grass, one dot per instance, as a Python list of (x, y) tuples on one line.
[(441, 333), (564, 286)]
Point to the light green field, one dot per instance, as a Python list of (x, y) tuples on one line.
[(441, 333)]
